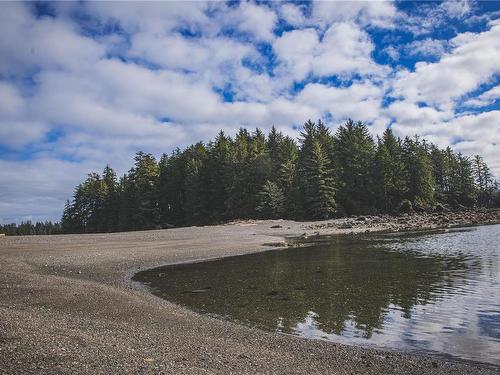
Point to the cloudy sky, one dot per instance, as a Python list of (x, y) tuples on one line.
[(83, 85)]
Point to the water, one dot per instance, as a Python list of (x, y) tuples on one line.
[(435, 292)]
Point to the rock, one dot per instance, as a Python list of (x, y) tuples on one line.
[(276, 226), (346, 225), (361, 218), (440, 208), (418, 208)]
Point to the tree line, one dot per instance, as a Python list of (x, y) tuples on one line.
[(254, 175), (28, 228)]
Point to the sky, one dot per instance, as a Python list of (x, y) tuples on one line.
[(87, 84)]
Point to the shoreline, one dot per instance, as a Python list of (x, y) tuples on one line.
[(68, 305)]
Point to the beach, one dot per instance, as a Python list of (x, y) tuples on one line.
[(68, 305)]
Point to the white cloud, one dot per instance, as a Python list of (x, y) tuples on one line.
[(427, 47), (392, 52), (296, 50), (456, 8), (47, 43), (17, 129), (11, 102), (344, 50), (256, 20), (366, 13), (343, 103), (156, 17), (431, 16), (474, 60), (486, 98), (292, 14), (39, 191)]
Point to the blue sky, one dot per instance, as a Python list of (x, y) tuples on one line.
[(87, 84)]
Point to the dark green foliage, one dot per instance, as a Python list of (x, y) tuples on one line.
[(28, 228), (250, 169), (463, 190), (271, 201), (254, 176), (405, 206), (319, 186), (171, 189), (218, 176), (441, 168), (485, 184), (389, 172), (194, 186), (143, 191), (355, 155), (419, 177)]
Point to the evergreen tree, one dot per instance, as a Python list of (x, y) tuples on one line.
[(195, 189), (319, 191), (250, 170), (172, 189), (28, 228), (271, 201), (219, 176), (389, 172), (141, 193), (483, 179), (254, 176), (441, 169), (111, 204), (418, 170), (462, 189), (355, 154), (288, 179)]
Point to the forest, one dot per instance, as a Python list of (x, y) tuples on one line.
[(259, 176), (30, 228)]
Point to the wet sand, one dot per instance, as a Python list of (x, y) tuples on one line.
[(67, 305)]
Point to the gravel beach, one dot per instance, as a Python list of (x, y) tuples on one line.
[(67, 305)]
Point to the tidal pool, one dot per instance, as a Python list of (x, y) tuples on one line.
[(435, 292)]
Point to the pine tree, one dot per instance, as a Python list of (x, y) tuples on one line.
[(441, 164), (288, 179), (195, 189), (111, 200), (254, 176), (418, 171), (319, 191), (220, 160), (171, 189), (142, 192), (251, 168), (271, 201), (483, 180), (462, 189), (355, 154), (390, 172)]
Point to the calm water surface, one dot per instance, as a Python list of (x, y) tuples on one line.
[(437, 292)]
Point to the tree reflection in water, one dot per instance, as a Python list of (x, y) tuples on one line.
[(346, 286)]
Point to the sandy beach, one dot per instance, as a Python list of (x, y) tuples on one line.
[(67, 305)]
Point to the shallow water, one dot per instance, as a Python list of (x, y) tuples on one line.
[(435, 292)]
